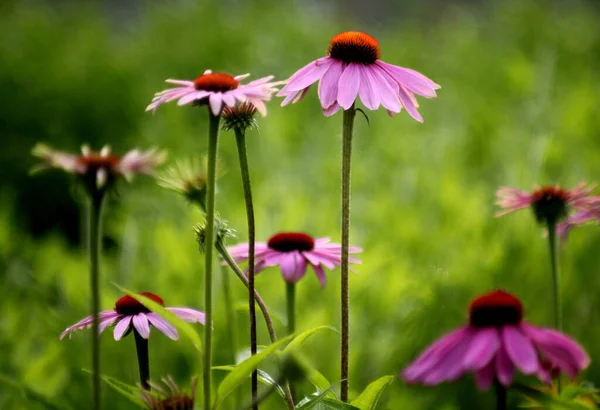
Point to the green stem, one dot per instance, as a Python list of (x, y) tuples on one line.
[(261, 304), (95, 247), (228, 300), (213, 139), (141, 347), (348, 126), (556, 290), (240, 137), (500, 397), (290, 289)]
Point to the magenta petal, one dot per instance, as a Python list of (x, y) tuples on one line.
[(121, 327), (484, 377), (320, 272), (328, 86), (216, 103), (505, 369), (162, 326), (450, 367), (289, 262), (407, 101), (520, 350), (348, 85), (189, 315), (329, 111), (483, 347), (140, 323), (368, 90), (389, 97), (308, 77)]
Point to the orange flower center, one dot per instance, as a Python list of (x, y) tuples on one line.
[(497, 308), (550, 204), (354, 47), (219, 82), (291, 241), (129, 306)]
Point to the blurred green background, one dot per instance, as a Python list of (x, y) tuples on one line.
[(518, 107)]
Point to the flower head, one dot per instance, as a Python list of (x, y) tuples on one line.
[(292, 252), (172, 399), (218, 90), (240, 117), (129, 314), (495, 343), (550, 204), (99, 169), (353, 69)]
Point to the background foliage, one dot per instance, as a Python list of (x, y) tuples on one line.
[(518, 107)]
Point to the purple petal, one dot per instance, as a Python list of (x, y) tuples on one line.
[(483, 347), (409, 104), (121, 327), (329, 111), (216, 103), (484, 377), (449, 368), (412, 80), (320, 272), (162, 326), (388, 93), (189, 315), (505, 369), (306, 76), (193, 95), (328, 86), (520, 350), (348, 86), (291, 266), (140, 322), (368, 89)]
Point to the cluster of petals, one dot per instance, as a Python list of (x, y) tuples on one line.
[(494, 352), (293, 261), (103, 164), (218, 95), (139, 319), (375, 82)]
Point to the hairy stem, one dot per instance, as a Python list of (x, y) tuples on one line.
[(347, 131), (95, 248), (213, 139), (240, 137)]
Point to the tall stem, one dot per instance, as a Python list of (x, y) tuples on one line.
[(556, 291), (213, 139), (261, 304), (228, 300), (348, 126), (240, 137), (141, 347), (95, 246), (500, 397), (290, 289)]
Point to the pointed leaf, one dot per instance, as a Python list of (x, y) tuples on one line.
[(334, 404), (263, 377), (182, 326), (243, 370), (311, 401), (315, 377), (370, 396), (126, 390), (301, 338)]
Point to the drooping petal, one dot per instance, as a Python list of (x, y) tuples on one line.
[(189, 315), (520, 350), (320, 272), (484, 377), (162, 326), (449, 367), (216, 103), (505, 369), (121, 327), (140, 323), (289, 263), (408, 103), (368, 89), (483, 348), (348, 86), (328, 86), (306, 76), (332, 109), (389, 97)]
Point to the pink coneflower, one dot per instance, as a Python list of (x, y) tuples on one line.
[(130, 314), (495, 343), (580, 218), (217, 90), (292, 252), (100, 168), (352, 69), (550, 204)]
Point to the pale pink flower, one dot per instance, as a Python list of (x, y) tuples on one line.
[(580, 218), (129, 314), (353, 69), (550, 204), (495, 343), (98, 168), (218, 90), (293, 252)]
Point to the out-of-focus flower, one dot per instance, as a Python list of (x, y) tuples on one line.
[(172, 399), (129, 314), (353, 69), (99, 169), (495, 343), (550, 204), (292, 252), (222, 232), (580, 218), (218, 90)]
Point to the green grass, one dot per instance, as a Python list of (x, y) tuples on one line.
[(518, 107)]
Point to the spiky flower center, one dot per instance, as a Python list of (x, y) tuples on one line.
[(291, 241), (550, 204), (94, 161), (219, 82), (127, 305), (241, 116), (497, 308), (354, 47)]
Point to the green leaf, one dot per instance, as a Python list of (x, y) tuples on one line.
[(334, 404), (301, 338), (547, 401), (31, 394), (243, 370), (315, 377), (182, 326), (126, 390), (263, 377), (370, 396), (311, 401)]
